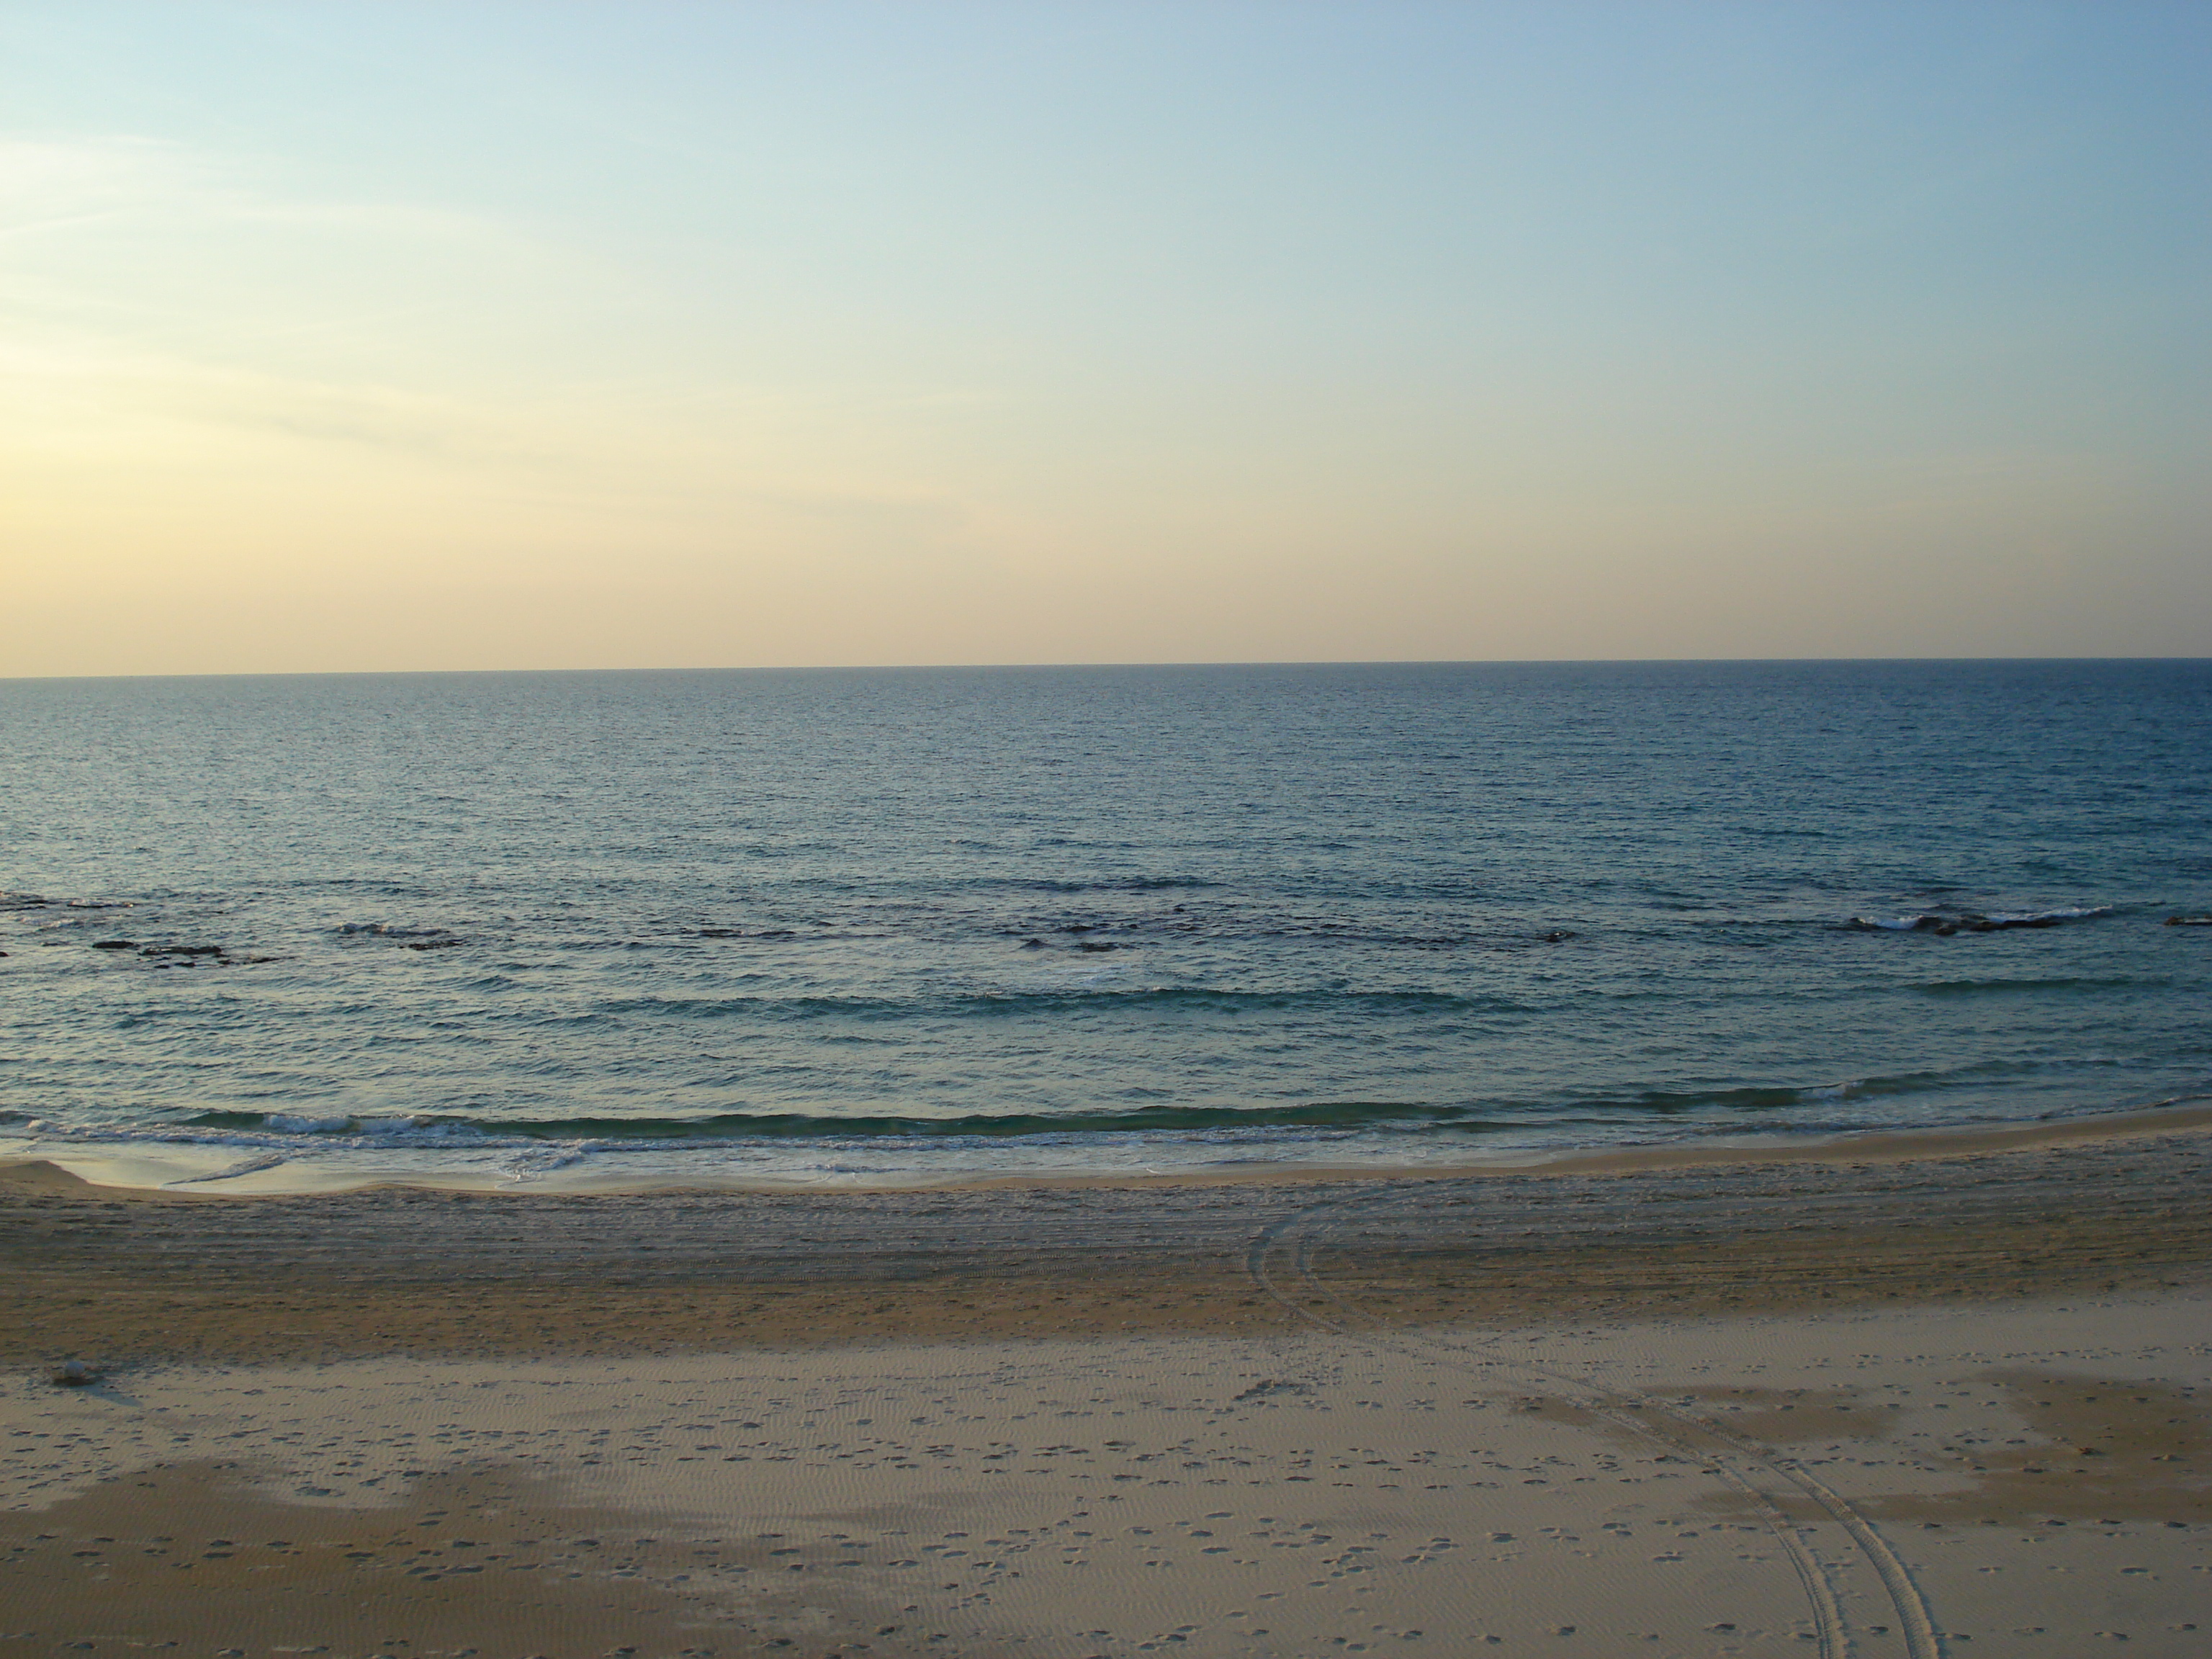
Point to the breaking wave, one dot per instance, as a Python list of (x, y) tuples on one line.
[(1626, 1106)]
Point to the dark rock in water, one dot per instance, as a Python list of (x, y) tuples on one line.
[(182, 951), (1943, 924), (2188, 921), (74, 1374), (1560, 937), (115, 945)]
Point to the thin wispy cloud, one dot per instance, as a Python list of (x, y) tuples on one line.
[(853, 333)]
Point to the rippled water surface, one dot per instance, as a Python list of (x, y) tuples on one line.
[(852, 926)]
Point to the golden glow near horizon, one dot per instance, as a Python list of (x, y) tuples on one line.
[(398, 338)]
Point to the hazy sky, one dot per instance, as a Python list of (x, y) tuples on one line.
[(454, 336)]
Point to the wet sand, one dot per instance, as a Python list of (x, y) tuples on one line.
[(1882, 1403), (124, 1274)]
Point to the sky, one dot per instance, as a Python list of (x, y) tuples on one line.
[(475, 336)]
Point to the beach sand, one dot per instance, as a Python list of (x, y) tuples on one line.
[(1882, 1401)]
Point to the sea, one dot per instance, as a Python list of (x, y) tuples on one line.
[(898, 927)]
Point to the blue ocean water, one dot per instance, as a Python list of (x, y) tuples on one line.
[(899, 925)]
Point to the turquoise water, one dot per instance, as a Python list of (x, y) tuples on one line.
[(855, 926)]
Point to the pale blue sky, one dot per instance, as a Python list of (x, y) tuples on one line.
[(482, 335)]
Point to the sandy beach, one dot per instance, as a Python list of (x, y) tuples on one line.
[(1878, 1400)]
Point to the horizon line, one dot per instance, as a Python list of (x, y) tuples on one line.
[(1032, 667)]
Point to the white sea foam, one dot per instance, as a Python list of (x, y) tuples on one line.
[(1851, 1090), (284, 1123), (244, 1166), (243, 1162)]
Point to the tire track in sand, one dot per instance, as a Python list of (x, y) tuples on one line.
[(1772, 1484)]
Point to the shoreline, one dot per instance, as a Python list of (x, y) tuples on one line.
[(1858, 1147), (116, 1274)]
